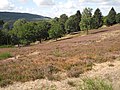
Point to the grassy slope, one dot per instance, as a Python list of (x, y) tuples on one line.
[(71, 56)]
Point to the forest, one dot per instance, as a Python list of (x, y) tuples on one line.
[(23, 32)]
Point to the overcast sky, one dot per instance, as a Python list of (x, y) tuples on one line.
[(53, 8)]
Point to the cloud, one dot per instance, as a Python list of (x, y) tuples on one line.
[(6, 5), (23, 1), (44, 2)]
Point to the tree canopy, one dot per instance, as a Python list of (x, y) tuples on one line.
[(56, 31), (118, 18), (85, 23), (97, 19), (25, 32), (111, 17), (72, 24)]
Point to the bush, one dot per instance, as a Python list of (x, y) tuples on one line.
[(75, 72), (5, 55), (94, 84), (6, 82), (71, 83), (6, 46)]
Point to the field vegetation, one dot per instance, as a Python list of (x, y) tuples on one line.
[(69, 56)]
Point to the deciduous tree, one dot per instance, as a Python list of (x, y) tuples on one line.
[(85, 23)]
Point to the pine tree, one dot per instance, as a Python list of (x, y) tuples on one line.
[(97, 19), (111, 17), (72, 24), (78, 18), (118, 18)]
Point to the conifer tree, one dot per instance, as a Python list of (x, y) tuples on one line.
[(111, 17), (97, 19)]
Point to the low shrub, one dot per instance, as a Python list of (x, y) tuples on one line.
[(6, 82), (5, 55), (75, 72), (71, 83), (94, 84), (6, 46)]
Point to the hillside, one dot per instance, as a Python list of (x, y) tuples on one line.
[(62, 64), (6, 16)]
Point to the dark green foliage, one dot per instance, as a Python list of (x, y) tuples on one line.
[(41, 30), (56, 19), (63, 18), (1, 22), (97, 19), (26, 32), (118, 18), (56, 31), (18, 31), (6, 35), (86, 19), (72, 24), (1, 37), (78, 15), (111, 17), (6, 16)]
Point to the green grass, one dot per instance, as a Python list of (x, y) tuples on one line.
[(5, 55), (6, 46), (95, 84)]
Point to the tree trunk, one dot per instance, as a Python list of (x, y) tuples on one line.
[(40, 40)]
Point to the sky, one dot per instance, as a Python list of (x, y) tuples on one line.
[(54, 8)]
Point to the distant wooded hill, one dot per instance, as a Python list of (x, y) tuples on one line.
[(7, 16)]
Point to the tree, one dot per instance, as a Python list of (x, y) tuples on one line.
[(111, 17), (1, 37), (72, 24), (5, 31), (56, 31), (1, 22), (41, 30), (97, 19), (63, 18), (86, 19), (18, 31), (56, 19), (118, 18), (78, 15)]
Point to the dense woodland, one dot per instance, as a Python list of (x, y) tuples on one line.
[(13, 16), (25, 32)]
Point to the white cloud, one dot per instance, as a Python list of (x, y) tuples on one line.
[(23, 1), (55, 8), (6, 5), (44, 2)]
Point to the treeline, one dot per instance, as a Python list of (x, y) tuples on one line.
[(25, 32)]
